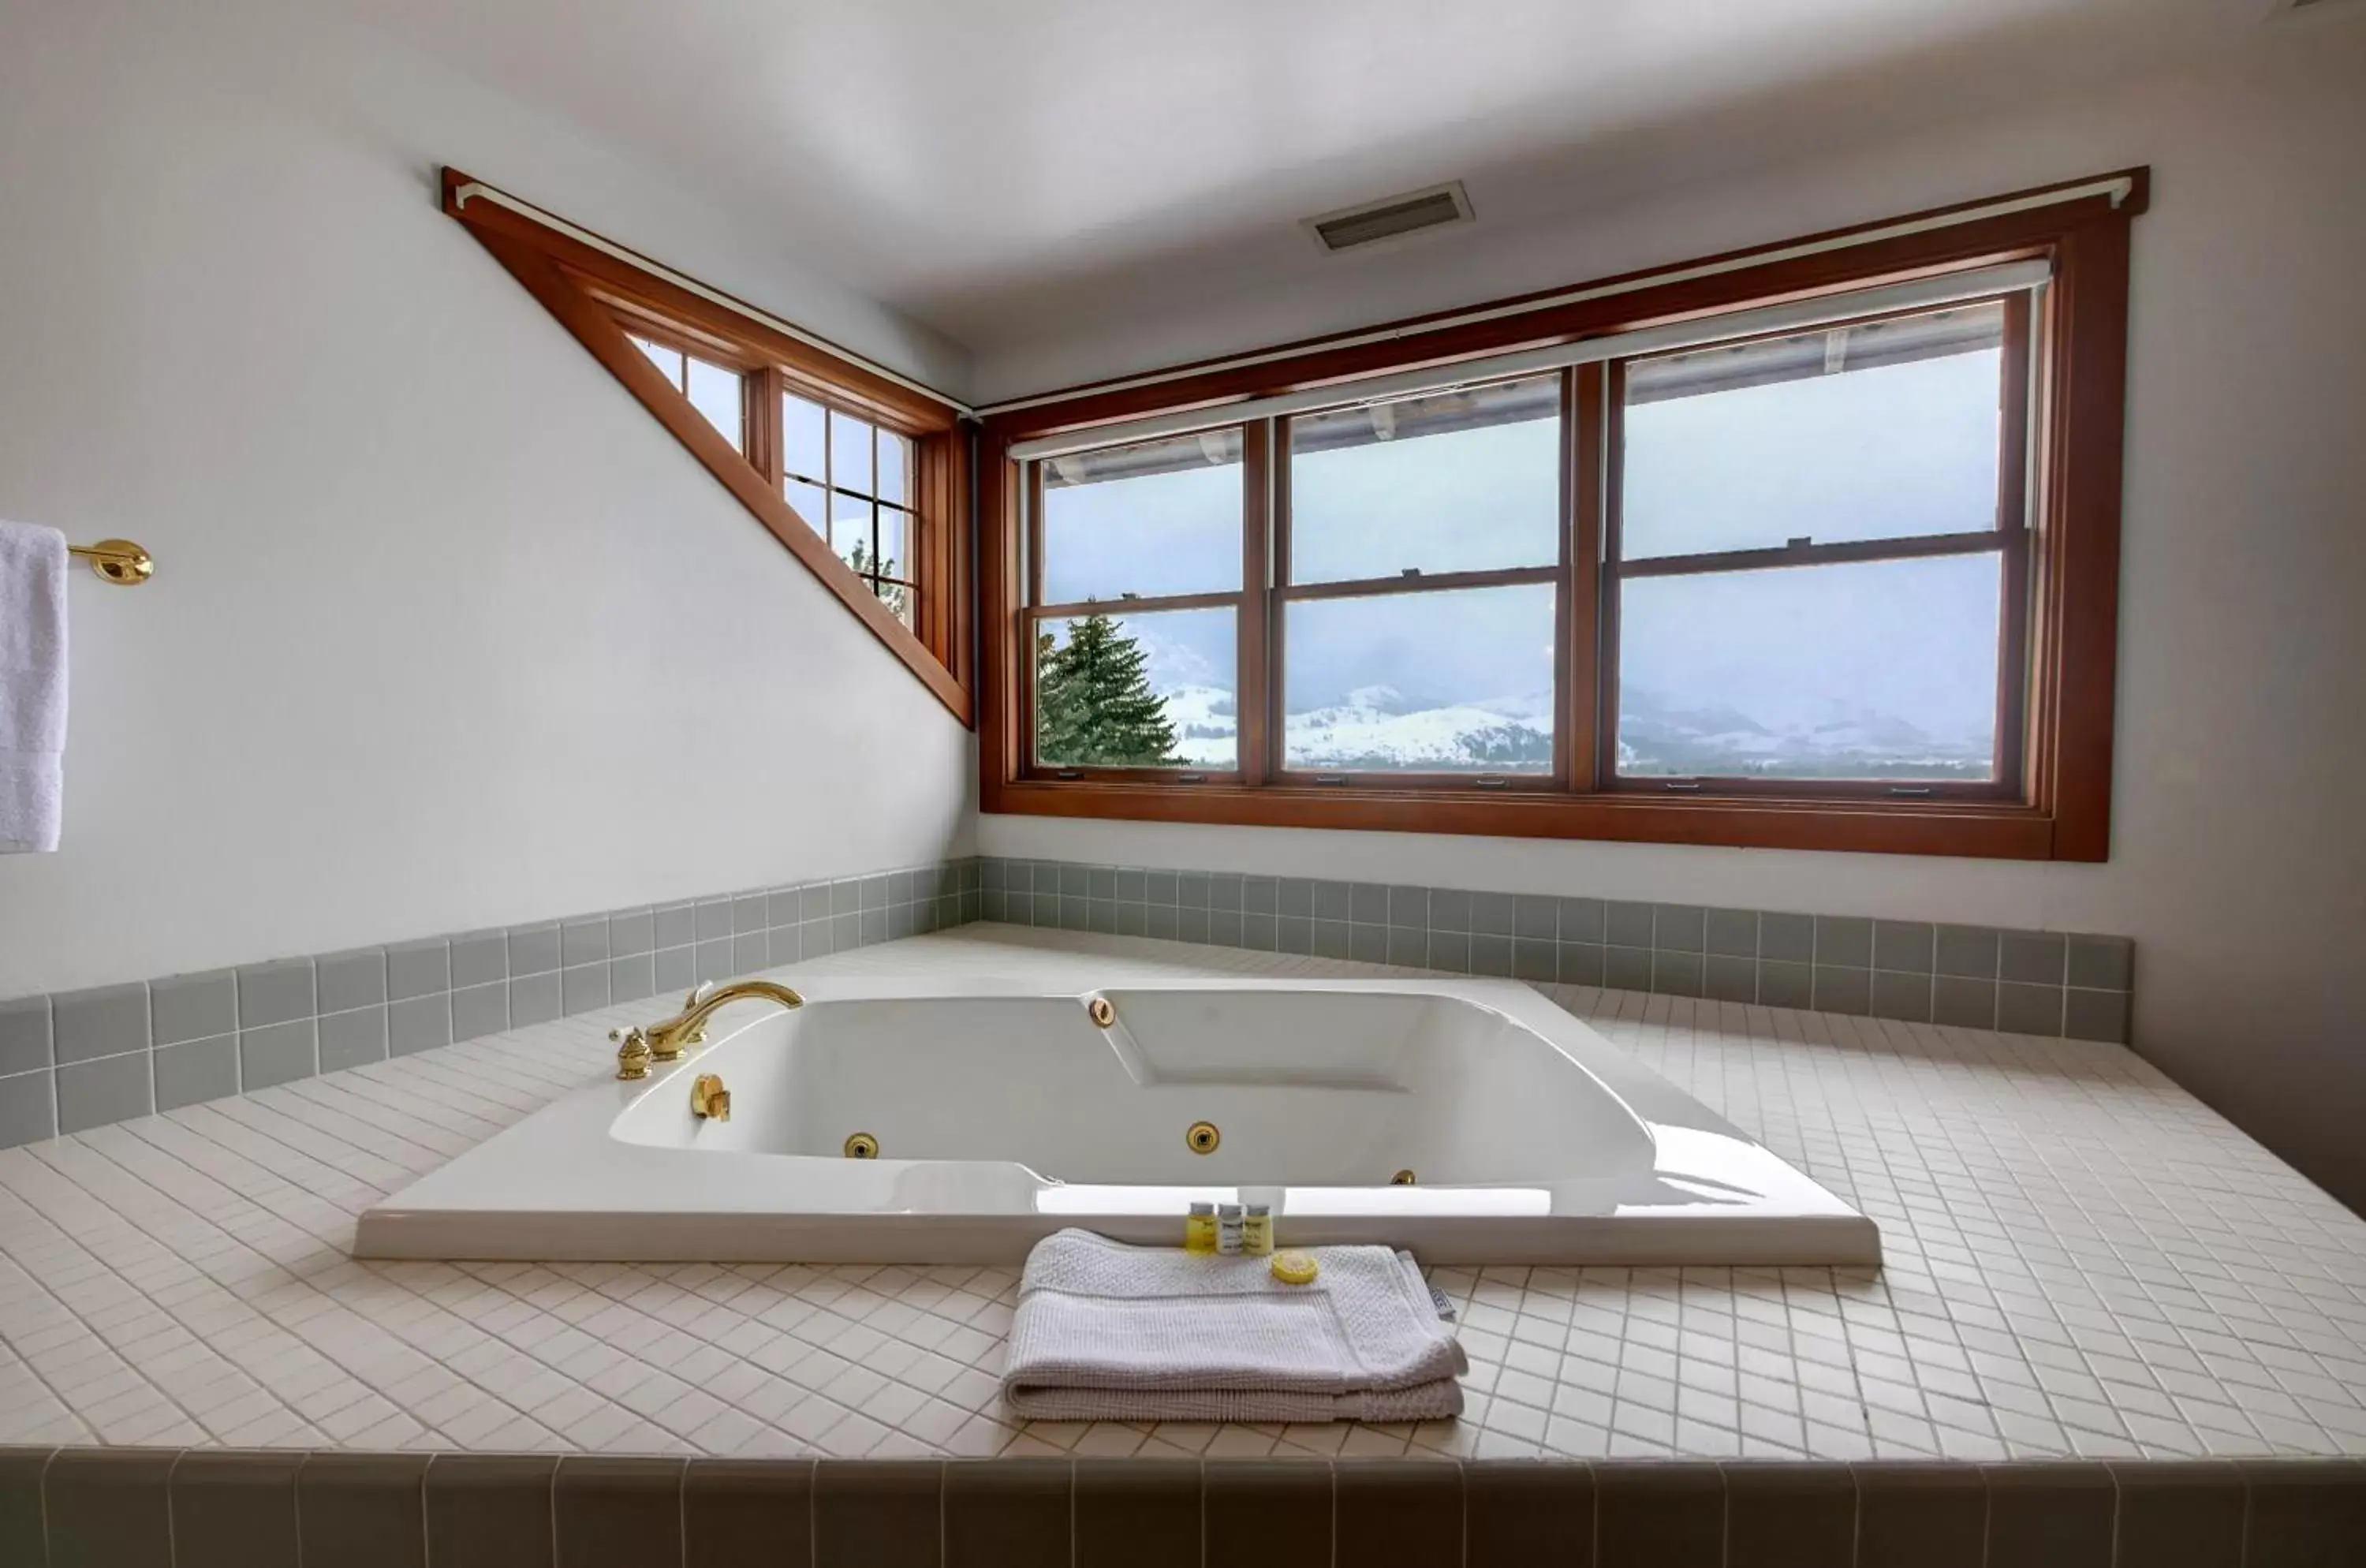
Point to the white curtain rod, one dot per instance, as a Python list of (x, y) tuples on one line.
[(1801, 315), (2118, 188), (478, 189)]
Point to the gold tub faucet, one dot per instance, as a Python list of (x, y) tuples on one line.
[(638, 1046)]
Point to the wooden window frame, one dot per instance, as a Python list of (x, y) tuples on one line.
[(2007, 538), (1286, 591), (605, 301), (1249, 630), (2056, 697)]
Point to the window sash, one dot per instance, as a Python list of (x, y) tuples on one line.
[(1587, 582), (1249, 631), (1787, 319), (2009, 539)]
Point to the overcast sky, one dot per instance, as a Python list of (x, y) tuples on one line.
[(1902, 449)]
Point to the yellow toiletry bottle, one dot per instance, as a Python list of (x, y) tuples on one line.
[(1200, 1229), (1257, 1231)]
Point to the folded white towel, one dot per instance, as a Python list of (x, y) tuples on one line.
[(1108, 1332), (32, 686)]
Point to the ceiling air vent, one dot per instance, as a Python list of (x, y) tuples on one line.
[(1392, 218)]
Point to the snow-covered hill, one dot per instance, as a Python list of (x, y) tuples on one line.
[(1376, 729), (1836, 741)]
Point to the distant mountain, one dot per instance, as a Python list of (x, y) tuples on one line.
[(1660, 739), (1377, 729)]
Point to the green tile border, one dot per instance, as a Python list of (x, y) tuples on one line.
[(74, 1060), (1910, 971)]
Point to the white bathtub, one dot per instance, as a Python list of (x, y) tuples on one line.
[(1002, 1113)]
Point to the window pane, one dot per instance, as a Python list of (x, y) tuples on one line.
[(896, 596), (1154, 518), (715, 392), (1140, 691), (807, 502), (1880, 669), (1422, 683), (1466, 481), (849, 453), (665, 359), (850, 531), (1870, 432), (895, 556), (801, 437), (895, 468)]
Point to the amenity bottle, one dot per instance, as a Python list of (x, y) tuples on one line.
[(1257, 1230), (1200, 1229)]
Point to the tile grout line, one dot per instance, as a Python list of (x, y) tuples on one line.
[(1678, 1020)]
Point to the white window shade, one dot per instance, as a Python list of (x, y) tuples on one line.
[(1796, 316)]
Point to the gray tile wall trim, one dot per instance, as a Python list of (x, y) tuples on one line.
[(131, 1505), (81, 1059), (2043, 983)]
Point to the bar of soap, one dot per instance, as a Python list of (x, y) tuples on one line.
[(1294, 1268)]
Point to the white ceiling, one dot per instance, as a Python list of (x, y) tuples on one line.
[(1001, 168)]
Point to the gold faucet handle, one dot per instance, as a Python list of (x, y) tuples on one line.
[(632, 1054), (672, 1045)]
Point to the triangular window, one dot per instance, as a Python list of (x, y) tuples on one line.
[(862, 474)]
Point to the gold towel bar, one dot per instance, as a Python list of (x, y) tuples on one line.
[(118, 561)]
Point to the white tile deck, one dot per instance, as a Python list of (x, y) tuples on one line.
[(2081, 1258)]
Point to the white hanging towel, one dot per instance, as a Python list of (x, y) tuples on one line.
[(32, 687), (1107, 1332)]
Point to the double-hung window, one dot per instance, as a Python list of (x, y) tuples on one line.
[(1139, 607), (1815, 567), (1418, 574)]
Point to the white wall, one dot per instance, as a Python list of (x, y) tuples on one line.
[(2239, 856), (445, 630)]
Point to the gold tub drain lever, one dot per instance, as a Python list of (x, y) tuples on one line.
[(709, 1101)]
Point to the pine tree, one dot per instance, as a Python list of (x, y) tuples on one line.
[(1094, 706), (890, 593)]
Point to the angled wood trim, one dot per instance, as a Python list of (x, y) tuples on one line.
[(630, 288), (593, 323)]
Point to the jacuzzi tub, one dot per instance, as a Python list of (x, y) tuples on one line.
[(1003, 1112)]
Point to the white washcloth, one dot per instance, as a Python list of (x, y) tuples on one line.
[(32, 686), (1108, 1332)]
